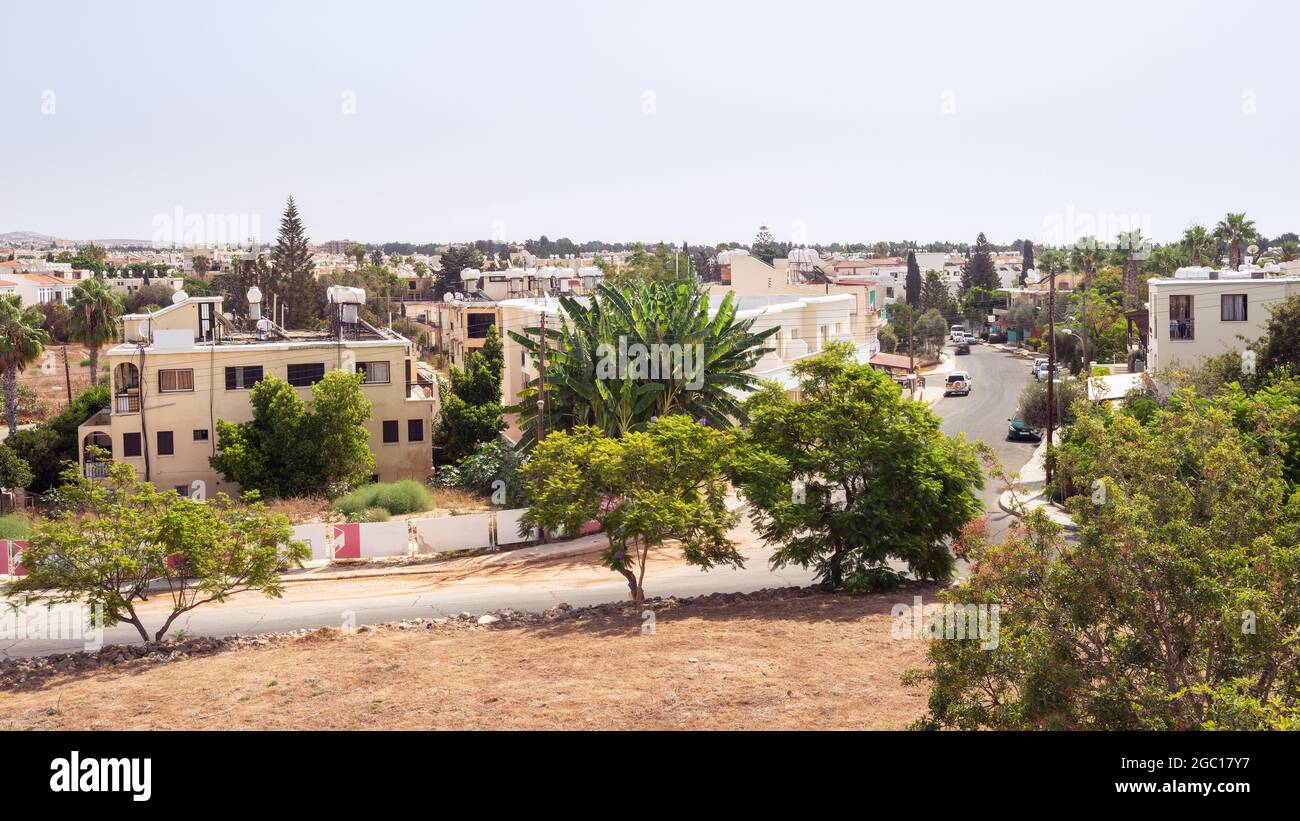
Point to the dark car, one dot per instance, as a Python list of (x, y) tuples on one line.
[(1019, 430), (963, 347)]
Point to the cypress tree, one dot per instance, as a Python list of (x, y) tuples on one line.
[(1026, 261), (913, 280)]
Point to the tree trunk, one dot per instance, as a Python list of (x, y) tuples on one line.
[(636, 593), (94, 365), (11, 399)]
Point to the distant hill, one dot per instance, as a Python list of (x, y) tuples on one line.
[(26, 238)]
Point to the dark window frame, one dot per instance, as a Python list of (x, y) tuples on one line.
[(170, 438), (206, 434), (385, 430), (237, 377), (301, 381), (415, 430), (127, 440)]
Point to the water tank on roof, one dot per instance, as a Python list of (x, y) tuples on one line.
[(179, 296)]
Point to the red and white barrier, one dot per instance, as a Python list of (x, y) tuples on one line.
[(11, 551), (450, 533)]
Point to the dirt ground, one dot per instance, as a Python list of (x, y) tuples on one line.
[(46, 376), (819, 661)]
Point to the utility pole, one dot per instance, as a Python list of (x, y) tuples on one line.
[(541, 378), (1051, 365), (911, 355), (541, 397), (67, 374)]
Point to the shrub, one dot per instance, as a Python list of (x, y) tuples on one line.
[(1034, 342), (397, 498), (406, 496), (1101, 370), (15, 526), (370, 514), (496, 461), (446, 476)]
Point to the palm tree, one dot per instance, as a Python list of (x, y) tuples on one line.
[(22, 339), (1199, 243), (93, 322), (711, 357), (1236, 231)]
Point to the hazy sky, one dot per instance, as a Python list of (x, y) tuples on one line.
[(615, 120)]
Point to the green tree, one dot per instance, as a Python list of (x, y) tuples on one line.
[(765, 247), (1022, 317), (94, 319), (1026, 261), (980, 270), (1235, 231), (977, 303), (290, 449), (645, 488), (47, 447), (1279, 347), (118, 536), (931, 328), (22, 340), (14, 470), (1177, 608), (295, 270), (452, 262), (1032, 407), (915, 290), (852, 475), (934, 294), (471, 404)]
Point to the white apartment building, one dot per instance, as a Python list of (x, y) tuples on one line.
[(1202, 312)]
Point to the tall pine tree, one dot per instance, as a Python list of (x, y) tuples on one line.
[(980, 270), (295, 272), (913, 282)]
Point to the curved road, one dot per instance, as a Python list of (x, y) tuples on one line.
[(998, 379)]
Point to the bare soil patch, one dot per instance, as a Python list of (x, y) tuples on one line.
[(778, 659)]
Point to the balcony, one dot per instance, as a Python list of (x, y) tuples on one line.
[(96, 470), (1182, 329), (126, 403)]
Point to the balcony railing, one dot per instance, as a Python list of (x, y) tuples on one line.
[(126, 403), (1182, 329), (96, 470)]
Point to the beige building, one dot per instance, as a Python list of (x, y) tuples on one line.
[(808, 315), (183, 367), (1201, 312)]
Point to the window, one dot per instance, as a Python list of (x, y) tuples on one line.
[(477, 325), (182, 491), (243, 377), (376, 372), (1232, 307), (166, 443), (496, 279), (130, 444), (307, 374), (170, 381), (415, 430), (390, 431), (1181, 322), (200, 434)]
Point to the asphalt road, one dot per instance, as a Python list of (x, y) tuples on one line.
[(998, 379)]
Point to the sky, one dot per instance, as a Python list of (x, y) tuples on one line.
[(696, 121)]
